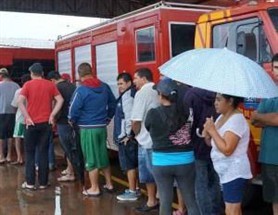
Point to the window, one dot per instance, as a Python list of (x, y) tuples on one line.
[(273, 13), (64, 62), (145, 45), (245, 37), (181, 38), (82, 54)]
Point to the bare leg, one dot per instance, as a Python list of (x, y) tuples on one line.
[(233, 208), (18, 149), (69, 167), (93, 176), (107, 175), (275, 208), (151, 191), (1, 150), (181, 205), (9, 144), (132, 179)]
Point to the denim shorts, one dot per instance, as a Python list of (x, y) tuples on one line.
[(233, 191), (128, 155), (145, 165)]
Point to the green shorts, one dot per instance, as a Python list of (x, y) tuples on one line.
[(93, 144), (18, 130)]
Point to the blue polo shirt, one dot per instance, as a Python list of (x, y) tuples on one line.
[(269, 138)]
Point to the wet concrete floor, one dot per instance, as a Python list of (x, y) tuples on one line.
[(59, 198), (66, 198)]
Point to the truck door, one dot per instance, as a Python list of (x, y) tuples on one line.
[(245, 37), (82, 54)]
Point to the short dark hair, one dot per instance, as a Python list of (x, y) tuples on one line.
[(54, 75), (125, 76), (24, 78), (84, 69), (145, 73), (36, 69), (236, 100), (275, 58)]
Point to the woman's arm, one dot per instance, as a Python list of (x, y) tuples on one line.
[(226, 144)]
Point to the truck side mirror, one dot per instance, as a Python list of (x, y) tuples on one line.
[(241, 43)]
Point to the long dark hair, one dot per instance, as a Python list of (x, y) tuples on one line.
[(178, 115)]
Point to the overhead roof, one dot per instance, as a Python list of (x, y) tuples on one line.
[(91, 8)]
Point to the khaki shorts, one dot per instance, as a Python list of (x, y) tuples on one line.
[(270, 182)]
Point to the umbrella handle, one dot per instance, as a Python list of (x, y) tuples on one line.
[(198, 133)]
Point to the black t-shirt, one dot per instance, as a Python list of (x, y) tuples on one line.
[(160, 128), (66, 89)]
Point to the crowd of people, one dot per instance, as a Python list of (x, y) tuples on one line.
[(170, 137)]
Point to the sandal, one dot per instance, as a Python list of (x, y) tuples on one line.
[(27, 186), (178, 212), (65, 172), (87, 193), (17, 163), (108, 189), (66, 178), (2, 161)]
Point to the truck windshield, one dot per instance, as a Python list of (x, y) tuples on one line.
[(273, 13)]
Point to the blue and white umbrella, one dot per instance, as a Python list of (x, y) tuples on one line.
[(222, 71)]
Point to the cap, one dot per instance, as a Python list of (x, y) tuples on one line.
[(53, 75), (36, 68), (166, 87), (4, 71), (66, 76)]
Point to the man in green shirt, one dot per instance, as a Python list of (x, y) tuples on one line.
[(267, 117)]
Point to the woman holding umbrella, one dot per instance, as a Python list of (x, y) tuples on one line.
[(229, 138)]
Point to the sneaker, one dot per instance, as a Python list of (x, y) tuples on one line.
[(138, 192), (146, 208), (128, 196)]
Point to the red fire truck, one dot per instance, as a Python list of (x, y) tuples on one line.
[(144, 38), (18, 54), (152, 35)]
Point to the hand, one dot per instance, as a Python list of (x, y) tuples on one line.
[(253, 117), (209, 125), (29, 122), (125, 140), (51, 120)]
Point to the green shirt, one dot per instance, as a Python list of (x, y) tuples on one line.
[(269, 137)]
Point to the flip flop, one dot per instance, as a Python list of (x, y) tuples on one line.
[(66, 178), (108, 190), (2, 162), (17, 163), (87, 193)]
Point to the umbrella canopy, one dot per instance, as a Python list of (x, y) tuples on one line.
[(222, 71)]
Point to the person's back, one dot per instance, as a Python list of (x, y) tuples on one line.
[(92, 107), (7, 113), (7, 91), (39, 94), (94, 98), (207, 187), (66, 89)]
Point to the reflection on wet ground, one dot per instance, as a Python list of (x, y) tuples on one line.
[(59, 198)]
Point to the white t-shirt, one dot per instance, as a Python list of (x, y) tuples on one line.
[(19, 116), (236, 165), (145, 99)]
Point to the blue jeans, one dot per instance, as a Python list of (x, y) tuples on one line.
[(207, 188), (37, 137), (145, 165), (65, 137)]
